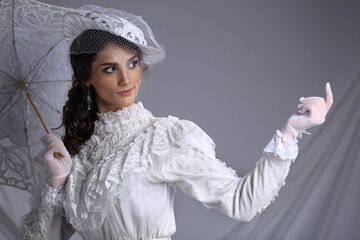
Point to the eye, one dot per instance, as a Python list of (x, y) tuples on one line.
[(134, 64), (109, 69)]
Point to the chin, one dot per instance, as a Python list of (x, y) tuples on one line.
[(127, 103)]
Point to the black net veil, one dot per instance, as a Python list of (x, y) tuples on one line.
[(95, 29)]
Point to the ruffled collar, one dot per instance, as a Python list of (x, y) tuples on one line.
[(133, 111), (115, 121)]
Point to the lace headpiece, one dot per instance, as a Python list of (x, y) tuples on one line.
[(98, 27)]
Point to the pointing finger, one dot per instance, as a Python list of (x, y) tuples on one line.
[(329, 96)]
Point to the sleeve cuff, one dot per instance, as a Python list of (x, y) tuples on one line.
[(52, 198), (283, 147)]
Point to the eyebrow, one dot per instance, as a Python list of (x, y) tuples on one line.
[(109, 63), (133, 57), (115, 63)]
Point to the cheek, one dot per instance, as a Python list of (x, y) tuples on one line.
[(103, 84), (136, 77)]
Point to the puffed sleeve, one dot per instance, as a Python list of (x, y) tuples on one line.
[(189, 161), (45, 219)]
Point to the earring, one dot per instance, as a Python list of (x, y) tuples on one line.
[(88, 99)]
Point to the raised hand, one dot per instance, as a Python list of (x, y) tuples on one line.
[(58, 168), (312, 112)]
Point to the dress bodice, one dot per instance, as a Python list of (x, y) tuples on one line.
[(123, 180)]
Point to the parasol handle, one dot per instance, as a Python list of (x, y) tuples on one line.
[(56, 154)]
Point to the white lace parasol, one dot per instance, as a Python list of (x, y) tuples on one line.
[(33, 60)]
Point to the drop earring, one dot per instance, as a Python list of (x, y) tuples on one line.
[(88, 99)]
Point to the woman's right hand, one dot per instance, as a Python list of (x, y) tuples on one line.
[(58, 168)]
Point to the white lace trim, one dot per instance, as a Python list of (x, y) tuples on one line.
[(131, 112), (113, 131), (287, 150), (27, 16), (124, 162), (52, 197), (284, 148), (112, 176), (114, 159), (44, 203), (35, 28)]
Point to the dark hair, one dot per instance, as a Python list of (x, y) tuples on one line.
[(79, 122)]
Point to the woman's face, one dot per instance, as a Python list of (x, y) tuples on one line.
[(115, 77)]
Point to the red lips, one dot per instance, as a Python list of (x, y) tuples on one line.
[(126, 92)]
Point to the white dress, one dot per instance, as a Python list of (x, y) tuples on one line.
[(122, 183)]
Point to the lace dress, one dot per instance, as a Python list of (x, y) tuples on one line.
[(122, 184)]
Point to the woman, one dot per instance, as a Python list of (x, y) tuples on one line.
[(120, 165)]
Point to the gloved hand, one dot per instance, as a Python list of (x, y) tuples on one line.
[(58, 168), (312, 112)]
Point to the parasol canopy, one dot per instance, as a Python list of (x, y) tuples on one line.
[(33, 64)]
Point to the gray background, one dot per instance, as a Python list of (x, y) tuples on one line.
[(237, 69)]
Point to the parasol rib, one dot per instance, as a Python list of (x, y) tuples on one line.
[(7, 92), (52, 81), (42, 100), (13, 35), (39, 63), (7, 102), (8, 76), (35, 64)]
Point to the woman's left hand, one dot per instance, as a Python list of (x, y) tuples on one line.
[(312, 112)]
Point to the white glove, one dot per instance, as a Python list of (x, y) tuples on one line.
[(58, 168), (312, 112)]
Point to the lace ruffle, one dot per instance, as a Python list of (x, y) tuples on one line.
[(131, 112), (139, 158), (35, 225), (186, 139), (108, 165), (112, 131), (44, 205), (282, 147), (113, 160), (92, 189), (52, 197)]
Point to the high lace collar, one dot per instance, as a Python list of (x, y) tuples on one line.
[(136, 110), (134, 114)]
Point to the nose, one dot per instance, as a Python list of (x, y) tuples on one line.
[(124, 78)]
